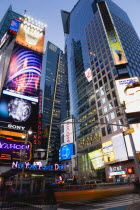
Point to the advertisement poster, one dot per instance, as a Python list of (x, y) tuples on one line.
[(129, 93), (14, 27), (23, 74), (66, 152), (18, 114), (31, 36), (108, 152), (96, 158), (112, 36), (13, 148), (67, 131)]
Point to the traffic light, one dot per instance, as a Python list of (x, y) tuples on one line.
[(130, 170)]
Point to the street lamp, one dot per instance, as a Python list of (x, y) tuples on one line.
[(22, 154)]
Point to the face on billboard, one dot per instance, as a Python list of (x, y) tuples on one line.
[(66, 152), (13, 148), (30, 36), (108, 152), (18, 114), (129, 92), (96, 158), (23, 75), (112, 36)]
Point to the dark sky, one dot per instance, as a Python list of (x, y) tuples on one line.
[(48, 11)]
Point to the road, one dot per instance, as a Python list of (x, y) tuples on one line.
[(122, 202)]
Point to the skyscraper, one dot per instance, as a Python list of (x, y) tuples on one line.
[(102, 46), (56, 101)]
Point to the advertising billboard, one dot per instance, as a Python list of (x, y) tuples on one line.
[(23, 74), (14, 27), (128, 91), (112, 36), (136, 139), (108, 152), (31, 36), (67, 132), (66, 151), (13, 147), (119, 148), (40, 154), (96, 158), (18, 114), (88, 74)]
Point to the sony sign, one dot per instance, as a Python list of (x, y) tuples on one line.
[(16, 127)]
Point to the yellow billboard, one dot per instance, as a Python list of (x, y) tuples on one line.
[(108, 152), (128, 91), (112, 36), (31, 36), (96, 158)]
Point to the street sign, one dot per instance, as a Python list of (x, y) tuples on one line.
[(128, 131)]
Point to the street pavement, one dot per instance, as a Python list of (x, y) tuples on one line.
[(123, 202)]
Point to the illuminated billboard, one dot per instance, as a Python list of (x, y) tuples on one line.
[(13, 147), (66, 151), (129, 92), (31, 36), (119, 148), (23, 74), (67, 132), (96, 158), (14, 27), (18, 114), (108, 152), (88, 74), (112, 36), (136, 139)]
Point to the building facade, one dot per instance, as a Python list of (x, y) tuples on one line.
[(91, 29), (56, 100)]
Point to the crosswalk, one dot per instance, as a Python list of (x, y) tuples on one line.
[(109, 203)]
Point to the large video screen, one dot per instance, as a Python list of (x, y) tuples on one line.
[(112, 36), (96, 158), (31, 36), (23, 74), (108, 152), (14, 27), (129, 92), (18, 114), (13, 147), (66, 152)]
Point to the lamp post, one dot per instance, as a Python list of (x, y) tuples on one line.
[(22, 155)]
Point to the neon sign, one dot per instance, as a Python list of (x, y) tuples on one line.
[(28, 166)]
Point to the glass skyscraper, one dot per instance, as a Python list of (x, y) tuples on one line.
[(94, 103), (56, 99)]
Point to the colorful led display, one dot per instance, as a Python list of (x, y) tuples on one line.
[(129, 93), (14, 147), (66, 152), (108, 153), (112, 36), (31, 36), (18, 114), (96, 158), (14, 27), (23, 74)]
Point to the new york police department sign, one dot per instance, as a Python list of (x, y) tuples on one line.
[(40, 167)]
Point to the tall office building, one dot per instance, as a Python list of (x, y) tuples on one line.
[(56, 101), (102, 47), (6, 20)]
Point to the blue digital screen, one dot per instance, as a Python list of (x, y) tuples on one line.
[(15, 24), (65, 152)]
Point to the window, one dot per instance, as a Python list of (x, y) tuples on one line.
[(113, 94), (111, 84), (100, 83), (102, 120), (109, 129), (110, 106), (112, 115), (105, 80), (107, 118), (120, 122), (114, 127), (115, 102), (99, 103), (109, 75), (118, 112), (100, 112), (106, 88), (103, 132), (105, 109), (103, 100), (108, 97), (96, 87), (98, 95), (102, 91)]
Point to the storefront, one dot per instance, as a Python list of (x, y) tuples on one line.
[(122, 172)]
